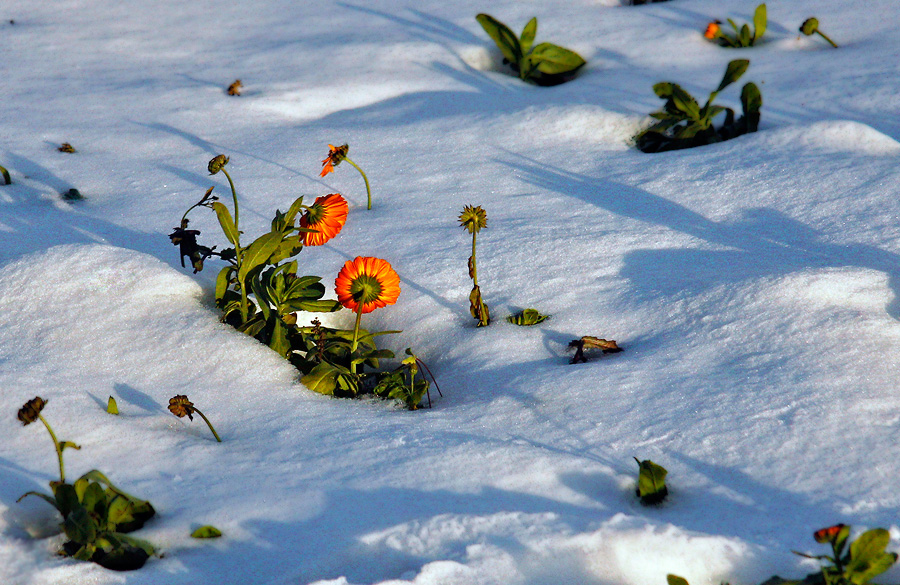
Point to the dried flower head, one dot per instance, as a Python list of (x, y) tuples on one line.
[(235, 88), (336, 154), (66, 147), (809, 26), (368, 284), (713, 29), (826, 535), (217, 164), (327, 215), (180, 406), (31, 410), (473, 219)]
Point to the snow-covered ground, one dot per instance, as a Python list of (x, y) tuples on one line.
[(753, 284)]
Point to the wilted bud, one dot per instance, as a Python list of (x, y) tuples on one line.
[(473, 219), (216, 164), (809, 26), (180, 406), (31, 410)]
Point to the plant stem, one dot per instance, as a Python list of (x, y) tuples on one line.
[(209, 424), (368, 190), (245, 303), (474, 265), (355, 336), (59, 455), (826, 38)]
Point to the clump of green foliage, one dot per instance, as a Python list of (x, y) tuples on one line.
[(683, 123), (542, 64), (742, 37)]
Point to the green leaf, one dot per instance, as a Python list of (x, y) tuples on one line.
[(68, 445), (868, 557), (226, 222), (111, 406), (651, 482), (505, 39), (526, 317), (94, 495), (223, 280), (759, 22), (50, 500), (257, 253), (685, 102), (733, 72), (321, 379), (317, 306), (737, 30), (746, 41), (665, 89), (79, 526), (751, 100), (66, 498), (526, 40), (207, 531), (676, 580), (554, 60)]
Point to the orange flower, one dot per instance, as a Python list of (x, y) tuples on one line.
[(712, 30), (828, 534), (327, 215), (336, 154), (369, 283)]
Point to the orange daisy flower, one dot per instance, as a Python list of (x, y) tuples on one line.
[(327, 215), (712, 30), (336, 154), (369, 283)]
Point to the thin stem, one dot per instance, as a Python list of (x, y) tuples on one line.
[(59, 455), (209, 424), (368, 190), (474, 265), (355, 337), (245, 303), (826, 38)]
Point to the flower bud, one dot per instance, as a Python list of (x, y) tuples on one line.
[(809, 26), (216, 164)]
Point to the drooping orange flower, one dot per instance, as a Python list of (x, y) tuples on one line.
[(366, 282), (828, 534), (336, 154), (327, 215), (712, 30)]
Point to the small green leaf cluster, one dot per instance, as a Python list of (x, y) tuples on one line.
[(651, 488), (542, 64), (96, 515), (865, 559), (527, 317), (401, 384), (683, 123), (742, 36)]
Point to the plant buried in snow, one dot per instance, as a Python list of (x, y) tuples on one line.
[(258, 292), (544, 64), (683, 123), (651, 487), (865, 559), (337, 155), (742, 36), (5, 174), (181, 407), (95, 513), (810, 27), (474, 219)]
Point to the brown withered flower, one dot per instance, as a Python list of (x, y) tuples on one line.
[(66, 147), (180, 406), (31, 410), (186, 240), (235, 88), (217, 164)]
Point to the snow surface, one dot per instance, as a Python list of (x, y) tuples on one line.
[(753, 284)]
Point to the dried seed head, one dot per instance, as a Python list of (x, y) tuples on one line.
[(31, 410), (180, 406), (216, 164)]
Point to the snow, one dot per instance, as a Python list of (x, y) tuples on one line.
[(753, 284)]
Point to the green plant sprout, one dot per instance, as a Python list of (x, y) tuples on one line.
[(337, 155), (180, 406), (95, 513), (683, 123), (810, 26), (527, 317), (742, 36), (543, 64), (111, 406), (6, 178), (474, 219), (651, 488)]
